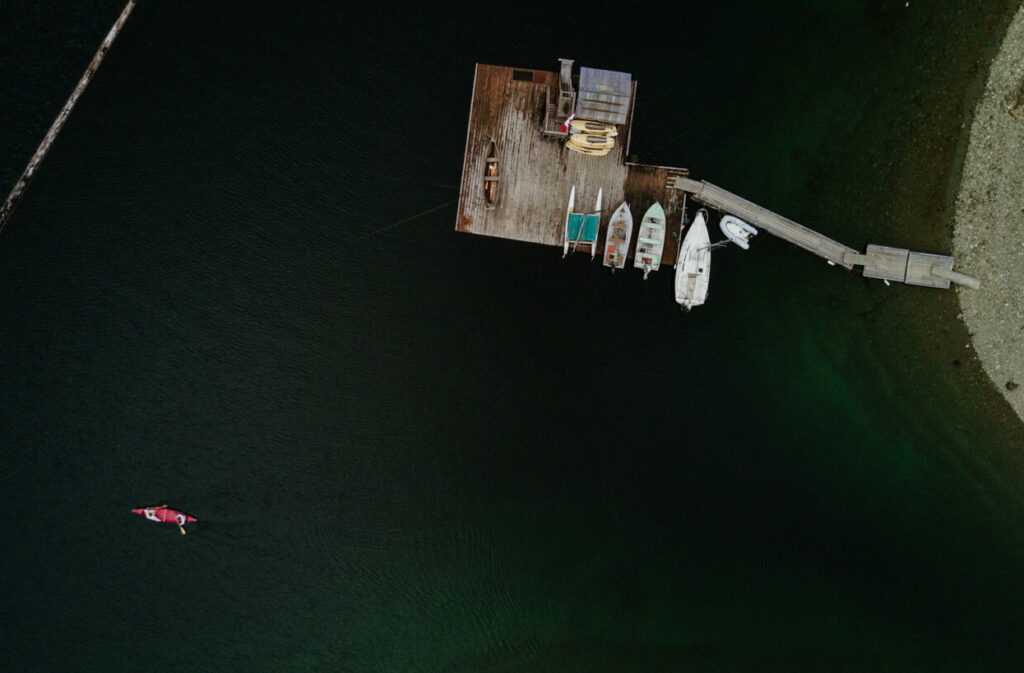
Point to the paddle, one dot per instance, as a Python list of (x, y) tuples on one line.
[(180, 527)]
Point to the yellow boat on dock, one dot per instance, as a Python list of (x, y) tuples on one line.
[(596, 128), (591, 142)]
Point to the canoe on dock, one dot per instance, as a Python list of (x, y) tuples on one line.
[(591, 141), (650, 242), (616, 241), (694, 268), (584, 126), (491, 176)]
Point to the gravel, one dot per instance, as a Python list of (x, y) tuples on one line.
[(988, 238)]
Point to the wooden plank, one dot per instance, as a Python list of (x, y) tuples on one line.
[(537, 174), (762, 218), (886, 263), (956, 277), (919, 269)]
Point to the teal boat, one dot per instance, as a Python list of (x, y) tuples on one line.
[(581, 228)]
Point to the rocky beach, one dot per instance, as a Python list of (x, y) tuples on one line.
[(989, 221)]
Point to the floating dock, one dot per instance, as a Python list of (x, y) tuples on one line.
[(536, 172), (516, 120)]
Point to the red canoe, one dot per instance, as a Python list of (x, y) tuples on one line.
[(162, 514)]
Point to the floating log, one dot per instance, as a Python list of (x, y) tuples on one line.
[(58, 123)]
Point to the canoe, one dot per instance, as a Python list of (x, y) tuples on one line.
[(694, 268), (650, 241), (163, 514), (737, 231), (491, 177), (584, 126), (616, 241)]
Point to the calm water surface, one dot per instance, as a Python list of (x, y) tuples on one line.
[(416, 450)]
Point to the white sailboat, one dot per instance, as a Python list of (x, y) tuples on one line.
[(650, 241), (694, 268)]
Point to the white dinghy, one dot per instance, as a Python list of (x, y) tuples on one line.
[(737, 231)]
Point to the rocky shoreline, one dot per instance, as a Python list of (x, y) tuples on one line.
[(988, 238)]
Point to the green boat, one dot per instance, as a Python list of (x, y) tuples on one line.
[(581, 228)]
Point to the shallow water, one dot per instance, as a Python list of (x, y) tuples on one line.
[(411, 449)]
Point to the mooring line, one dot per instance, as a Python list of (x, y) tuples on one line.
[(409, 219)]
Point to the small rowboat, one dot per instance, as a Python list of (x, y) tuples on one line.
[(162, 514), (584, 126), (651, 241), (491, 177), (616, 242), (591, 141)]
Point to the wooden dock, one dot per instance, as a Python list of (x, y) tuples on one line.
[(536, 172), (764, 219), (890, 264)]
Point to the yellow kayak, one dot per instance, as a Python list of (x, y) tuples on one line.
[(584, 126), (587, 150), (591, 142)]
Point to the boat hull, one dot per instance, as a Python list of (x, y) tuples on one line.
[(737, 231), (694, 268), (590, 152), (582, 228), (164, 515), (591, 142), (597, 128), (617, 238), (491, 177), (650, 241)]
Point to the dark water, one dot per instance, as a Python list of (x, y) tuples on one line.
[(416, 450)]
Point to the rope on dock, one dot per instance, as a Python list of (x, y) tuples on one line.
[(58, 123)]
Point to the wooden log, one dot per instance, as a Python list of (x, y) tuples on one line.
[(58, 123), (957, 277)]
